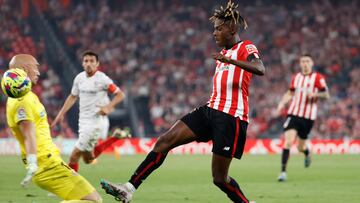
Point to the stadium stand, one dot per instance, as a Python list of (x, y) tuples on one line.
[(18, 39)]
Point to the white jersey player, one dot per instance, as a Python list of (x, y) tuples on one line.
[(92, 88)]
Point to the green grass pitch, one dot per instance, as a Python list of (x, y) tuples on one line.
[(187, 179)]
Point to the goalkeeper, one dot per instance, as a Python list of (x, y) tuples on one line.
[(26, 116)]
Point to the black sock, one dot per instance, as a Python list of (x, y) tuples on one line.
[(233, 191), (151, 162), (284, 159), (306, 152)]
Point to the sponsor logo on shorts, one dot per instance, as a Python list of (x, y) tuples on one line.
[(226, 148)]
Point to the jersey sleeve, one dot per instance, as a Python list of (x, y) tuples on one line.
[(250, 51), (24, 112), (75, 87), (320, 82), (109, 85)]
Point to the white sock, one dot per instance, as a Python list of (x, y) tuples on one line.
[(130, 186)]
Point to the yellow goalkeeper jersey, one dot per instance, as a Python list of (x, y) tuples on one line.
[(31, 109)]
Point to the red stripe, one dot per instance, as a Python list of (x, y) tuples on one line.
[(212, 100), (236, 136), (223, 89), (230, 187), (158, 157)]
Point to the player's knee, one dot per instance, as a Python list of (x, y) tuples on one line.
[(164, 143), (287, 144), (219, 179), (300, 148), (94, 197), (88, 160)]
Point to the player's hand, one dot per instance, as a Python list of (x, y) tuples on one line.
[(59, 118), (311, 95), (106, 110), (279, 110), (31, 170), (221, 58)]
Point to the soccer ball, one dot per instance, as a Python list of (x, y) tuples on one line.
[(15, 83)]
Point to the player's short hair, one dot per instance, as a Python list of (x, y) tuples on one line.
[(90, 53), (229, 14), (306, 55)]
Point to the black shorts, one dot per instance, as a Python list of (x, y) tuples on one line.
[(301, 125), (228, 133)]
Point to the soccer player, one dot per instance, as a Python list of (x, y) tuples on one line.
[(223, 119), (306, 88), (27, 119), (92, 87)]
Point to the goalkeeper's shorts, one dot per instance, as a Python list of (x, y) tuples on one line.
[(64, 182)]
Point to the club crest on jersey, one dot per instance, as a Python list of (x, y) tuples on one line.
[(21, 113), (250, 48)]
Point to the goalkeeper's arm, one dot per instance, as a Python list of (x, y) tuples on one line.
[(28, 131)]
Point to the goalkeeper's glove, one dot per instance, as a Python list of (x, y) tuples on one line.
[(31, 169)]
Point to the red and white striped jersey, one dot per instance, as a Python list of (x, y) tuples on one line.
[(302, 85), (231, 83)]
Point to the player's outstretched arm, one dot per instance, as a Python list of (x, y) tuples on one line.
[(255, 66), (118, 97), (69, 102), (27, 129), (284, 100)]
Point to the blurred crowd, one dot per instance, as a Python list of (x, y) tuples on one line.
[(161, 50), (15, 39)]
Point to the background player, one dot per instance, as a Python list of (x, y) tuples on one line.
[(305, 89), (27, 119), (223, 120), (92, 87)]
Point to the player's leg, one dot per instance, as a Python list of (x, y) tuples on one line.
[(87, 141), (115, 136), (306, 126), (74, 159), (229, 137), (302, 147), (220, 168), (182, 132), (290, 136), (178, 134), (80, 201), (88, 156), (62, 181), (291, 127)]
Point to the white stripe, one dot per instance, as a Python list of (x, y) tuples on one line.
[(304, 90), (311, 88), (218, 88), (240, 106)]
